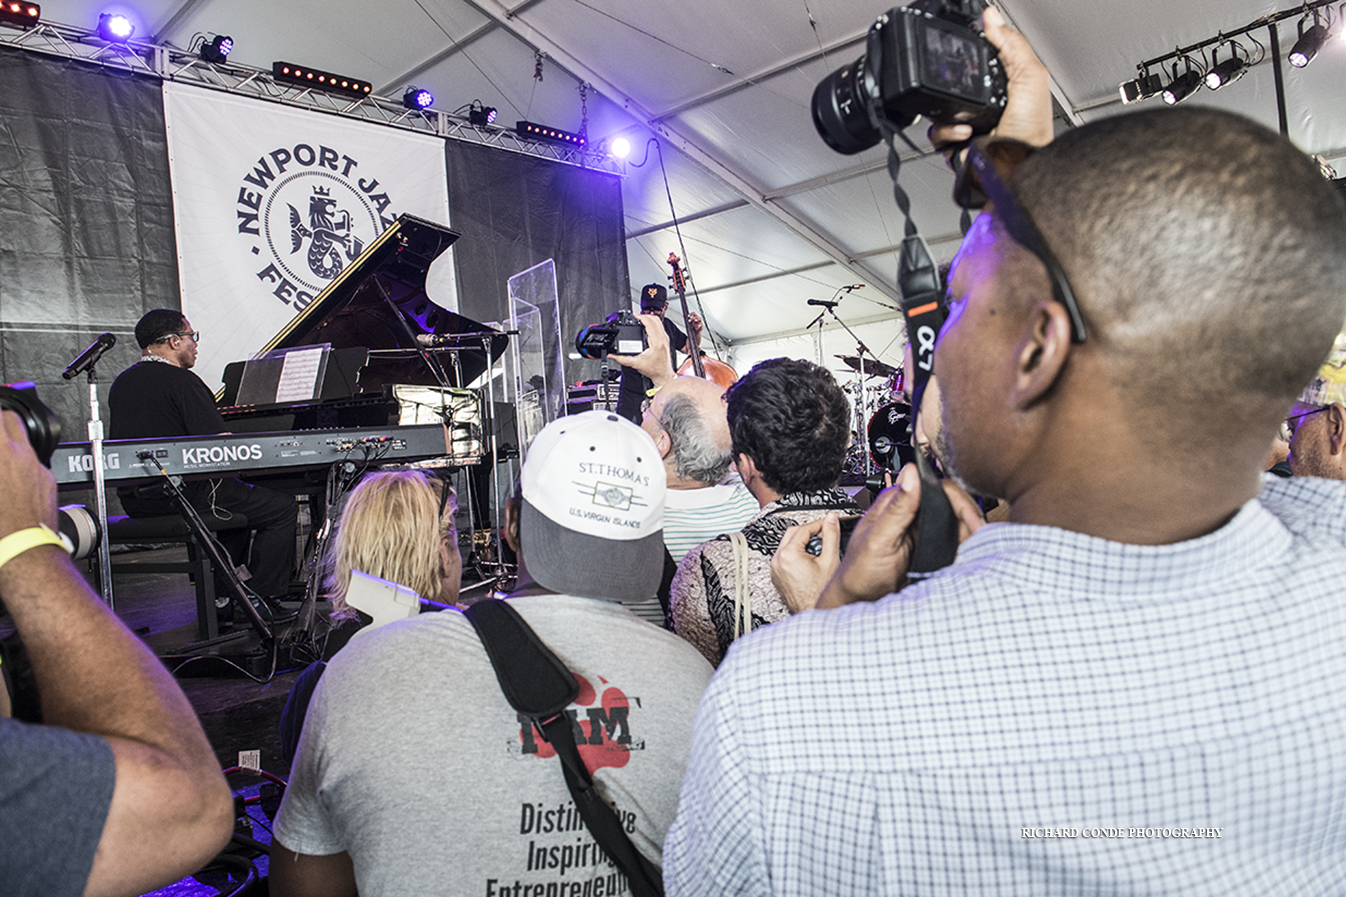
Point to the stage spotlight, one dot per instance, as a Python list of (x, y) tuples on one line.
[(1309, 43), (479, 116), (552, 135), (115, 28), (218, 49), (21, 15), (1142, 87), (289, 73), (1182, 86), (418, 99), (1227, 72)]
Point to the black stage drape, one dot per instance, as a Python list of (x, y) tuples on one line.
[(86, 221), (515, 211)]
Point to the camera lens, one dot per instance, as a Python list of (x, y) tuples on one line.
[(44, 428), (839, 110)]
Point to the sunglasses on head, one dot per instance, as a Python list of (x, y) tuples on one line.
[(982, 179)]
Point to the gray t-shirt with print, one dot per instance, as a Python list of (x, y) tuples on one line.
[(413, 762)]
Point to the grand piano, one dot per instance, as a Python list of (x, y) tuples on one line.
[(379, 391), (395, 356)]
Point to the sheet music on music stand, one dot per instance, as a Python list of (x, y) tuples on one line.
[(284, 376)]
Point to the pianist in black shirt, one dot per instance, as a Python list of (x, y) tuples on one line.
[(159, 396)]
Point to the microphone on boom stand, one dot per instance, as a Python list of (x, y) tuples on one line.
[(89, 357)]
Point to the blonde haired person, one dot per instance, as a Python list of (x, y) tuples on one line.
[(388, 529), (396, 525)]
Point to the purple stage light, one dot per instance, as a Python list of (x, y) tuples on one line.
[(417, 98), (217, 49), (115, 27)]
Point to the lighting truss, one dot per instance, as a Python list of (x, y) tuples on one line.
[(1142, 86), (169, 63)]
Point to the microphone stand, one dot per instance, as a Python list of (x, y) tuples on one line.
[(860, 351), (212, 548), (100, 493), (819, 343)]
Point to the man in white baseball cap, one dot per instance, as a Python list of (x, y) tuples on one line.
[(414, 771)]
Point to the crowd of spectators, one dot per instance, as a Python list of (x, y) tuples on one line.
[(1132, 685)]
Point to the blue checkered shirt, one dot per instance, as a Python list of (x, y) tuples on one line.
[(1053, 714)]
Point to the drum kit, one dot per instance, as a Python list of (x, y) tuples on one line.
[(881, 413)]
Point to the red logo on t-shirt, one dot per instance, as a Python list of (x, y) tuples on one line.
[(602, 729)]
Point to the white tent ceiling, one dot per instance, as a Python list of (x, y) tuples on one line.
[(769, 216)]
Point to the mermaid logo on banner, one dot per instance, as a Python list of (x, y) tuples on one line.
[(268, 218)]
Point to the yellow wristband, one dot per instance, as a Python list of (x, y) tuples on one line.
[(652, 392), (15, 544)]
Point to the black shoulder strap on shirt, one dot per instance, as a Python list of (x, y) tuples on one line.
[(539, 687)]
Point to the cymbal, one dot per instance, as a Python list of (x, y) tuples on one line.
[(872, 368)]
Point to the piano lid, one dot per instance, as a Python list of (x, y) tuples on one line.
[(379, 303)]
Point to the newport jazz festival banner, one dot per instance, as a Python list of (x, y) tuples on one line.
[(271, 203)]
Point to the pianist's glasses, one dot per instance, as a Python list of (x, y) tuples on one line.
[(193, 335)]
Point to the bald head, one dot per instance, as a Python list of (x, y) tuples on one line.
[(687, 421), (1209, 259), (1208, 253)]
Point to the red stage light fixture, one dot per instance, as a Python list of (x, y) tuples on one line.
[(289, 73), (550, 135), (20, 15)]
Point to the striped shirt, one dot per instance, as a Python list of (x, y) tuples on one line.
[(693, 516), (1053, 714)]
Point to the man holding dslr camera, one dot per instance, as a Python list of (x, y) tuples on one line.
[(1134, 686), (634, 386), (117, 791)]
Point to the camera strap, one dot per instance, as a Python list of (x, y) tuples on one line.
[(924, 309), (540, 687)]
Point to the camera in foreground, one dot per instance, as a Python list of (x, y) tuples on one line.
[(621, 334), (927, 58), (42, 424)]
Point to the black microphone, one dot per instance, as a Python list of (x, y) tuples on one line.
[(89, 357), (824, 303)]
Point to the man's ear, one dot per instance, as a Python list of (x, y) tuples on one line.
[(511, 533), (1042, 353), (747, 467), (1336, 427)]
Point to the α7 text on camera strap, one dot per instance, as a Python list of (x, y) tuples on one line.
[(539, 687), (924, 309)]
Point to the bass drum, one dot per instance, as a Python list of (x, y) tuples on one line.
[(889, 439)]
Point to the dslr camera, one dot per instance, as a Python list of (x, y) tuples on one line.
[(42, 424), (926, 58), (621, 334)]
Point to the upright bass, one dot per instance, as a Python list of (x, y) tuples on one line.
[(705, 368)]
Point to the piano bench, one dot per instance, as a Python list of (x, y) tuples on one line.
[(172, 529)]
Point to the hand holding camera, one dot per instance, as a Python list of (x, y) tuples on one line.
[(620, 334), (28, 487), (654, 361), (1028, 112), (922, 59)]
